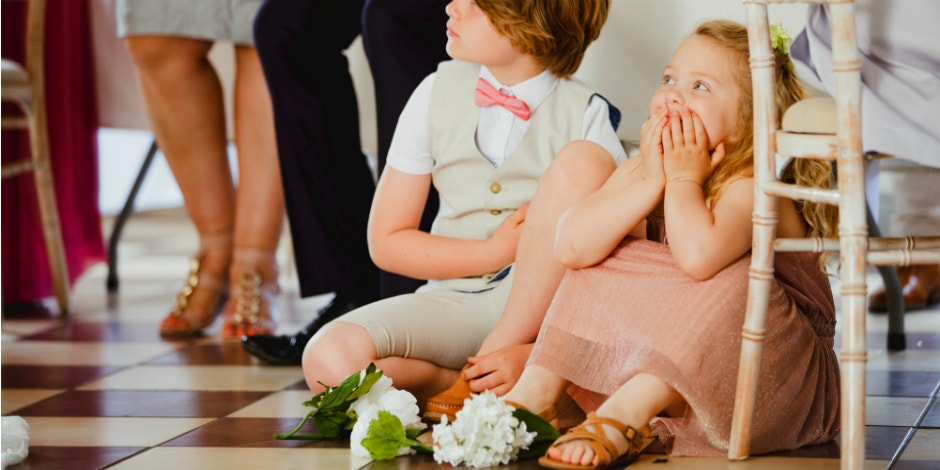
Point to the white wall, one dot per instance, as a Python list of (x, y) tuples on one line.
[(626, 62), (625, 65)]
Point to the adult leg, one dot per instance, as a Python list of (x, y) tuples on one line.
[(183, 96), (259, 208), (328, 187), (404, 42)]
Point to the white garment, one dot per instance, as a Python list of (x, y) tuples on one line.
[(498, 132), (15, 437), (899, 47)]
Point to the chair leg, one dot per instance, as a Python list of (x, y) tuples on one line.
[(897, 339), (126, 211), (48, 210)]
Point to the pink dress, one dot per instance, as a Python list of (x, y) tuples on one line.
[(638, 312)]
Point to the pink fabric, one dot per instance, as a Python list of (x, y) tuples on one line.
[(488, 95), (638, 312), (73, 124)]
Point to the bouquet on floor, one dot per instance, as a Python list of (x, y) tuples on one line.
[(383, 423), (488, 432)]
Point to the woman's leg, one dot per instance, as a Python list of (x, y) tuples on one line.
[(634, 404), (259, 209), (184, 102)]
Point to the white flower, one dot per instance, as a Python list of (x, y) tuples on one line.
[(400, 403), (484, 434), (378, 389)]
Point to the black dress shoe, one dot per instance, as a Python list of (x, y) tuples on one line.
[(289, 350)]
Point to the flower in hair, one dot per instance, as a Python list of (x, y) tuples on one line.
[(780, 41)]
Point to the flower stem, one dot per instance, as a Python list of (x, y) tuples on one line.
[(293, 433)]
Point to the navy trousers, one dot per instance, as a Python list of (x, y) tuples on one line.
[(328, 187)]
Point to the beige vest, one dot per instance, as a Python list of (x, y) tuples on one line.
[(479, 195)]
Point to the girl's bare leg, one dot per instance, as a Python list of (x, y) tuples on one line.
[(183, 97), (580, 169), (635, 403), (537, 389)]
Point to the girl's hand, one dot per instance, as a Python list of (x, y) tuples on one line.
[(685, 145), (505, 239), (651, 148)]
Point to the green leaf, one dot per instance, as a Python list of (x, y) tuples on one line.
[(330, 422), (545, 433), (367, 382), (386, 436)]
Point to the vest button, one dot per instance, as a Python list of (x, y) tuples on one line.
[(495, 188), (496, 212)]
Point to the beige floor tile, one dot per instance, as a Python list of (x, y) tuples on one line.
[(893, 411), (924, 446), (722, 463), (210, 378), (286, 404), (918, 321), (209, 458), (81, 353), (907, 360), (17, 328), (115, 432), (15, 398)]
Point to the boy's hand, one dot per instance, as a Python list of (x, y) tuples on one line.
[(499, 370), (505, 239), (685, 144), (651, 148)]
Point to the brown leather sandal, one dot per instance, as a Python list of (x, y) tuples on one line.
[(548, 414), (592, 432)]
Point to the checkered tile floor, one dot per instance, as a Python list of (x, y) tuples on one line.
[(103, 390)]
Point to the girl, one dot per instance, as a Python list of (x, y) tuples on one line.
[(647, 323), (483, 129)]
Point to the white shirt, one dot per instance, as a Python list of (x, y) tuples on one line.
[(498, 132)]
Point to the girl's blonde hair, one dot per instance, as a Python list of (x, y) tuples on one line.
[(555, 32), (822, 219)]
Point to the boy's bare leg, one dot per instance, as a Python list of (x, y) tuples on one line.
[(340, 349)]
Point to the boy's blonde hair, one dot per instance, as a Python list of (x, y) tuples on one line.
[(822, 219), (555, 32)]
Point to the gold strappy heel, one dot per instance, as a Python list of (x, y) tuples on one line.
[(177, 323), (252, 307)]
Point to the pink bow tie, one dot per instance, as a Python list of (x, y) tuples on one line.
[(488, 95)]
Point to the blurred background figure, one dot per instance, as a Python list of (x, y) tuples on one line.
[(327, 182), (900, 57), (234, 270)]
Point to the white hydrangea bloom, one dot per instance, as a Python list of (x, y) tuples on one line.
[(484, 434)]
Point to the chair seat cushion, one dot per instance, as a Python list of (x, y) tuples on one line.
[(15, 82), (811, 116)]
